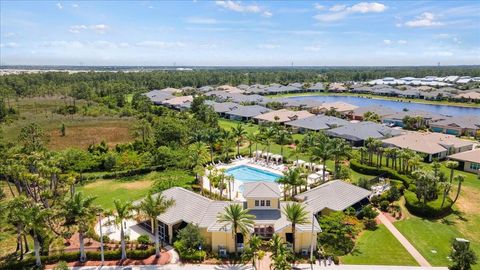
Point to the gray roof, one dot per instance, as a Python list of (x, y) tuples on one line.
[(378, 109), (261, 189), (336, 195), (426, 115), (191, 208), (225, 107), (470, 122), (299, 103), (317, 86), (157, 96), (318, 122), (363, 130), (248, 111)]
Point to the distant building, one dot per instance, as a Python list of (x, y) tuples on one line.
[(281, 116), (458, 126), (432, 145), (357, 133), (469, 161), (244, 113), (396, 118), (380, 110), (341, 107), (316, 123)]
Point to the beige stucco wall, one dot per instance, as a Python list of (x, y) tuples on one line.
[(466, 167), (251, 203), (302, 239), (222, 239)]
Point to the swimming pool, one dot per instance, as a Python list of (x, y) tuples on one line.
[(246, 173)]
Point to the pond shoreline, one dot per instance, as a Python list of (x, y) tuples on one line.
[(367, 96)]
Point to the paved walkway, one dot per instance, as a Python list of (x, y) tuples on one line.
[(405, 243), (249, 267)]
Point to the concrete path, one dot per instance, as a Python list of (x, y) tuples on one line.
[(405, 243), (248, 267)]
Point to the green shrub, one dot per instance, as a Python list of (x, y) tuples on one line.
[(62, 265), (143, 239), (384, 205), (386, 172), (432, 209), (367, 212), (369, 223)]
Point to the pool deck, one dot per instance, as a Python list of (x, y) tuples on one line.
[(236, 190)]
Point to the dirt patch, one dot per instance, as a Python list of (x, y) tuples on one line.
[(468, 201), (140, 184), (82, 136)]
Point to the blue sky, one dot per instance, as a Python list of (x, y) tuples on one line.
[(260, 33)]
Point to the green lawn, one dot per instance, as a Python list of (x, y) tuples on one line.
[(130, 188), (378, 247)]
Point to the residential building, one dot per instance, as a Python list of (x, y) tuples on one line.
[(341, 107), (380, 110), (469, 161), (244, 113), (431, 145), (262, 199), (158, 96), (396, 119), (469, 96), (334, 196), (182, 102), (357, 133), (222, 108), (316, 123), (459, 125), (281, 116)]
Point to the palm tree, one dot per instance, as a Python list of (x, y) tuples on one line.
[(16, 216), (291, 178), (341, 149), (323, 151), (254, 245), (79, 211), (452, 165), (239, 133), (251, 138), (122, 211), (280, 258), (297, 215), (296, 152), (198, 156), (211, 137), (267, 136), (151, 207), (282, 137), (238, 219), (36, 221), (460, 178), (275, 243)]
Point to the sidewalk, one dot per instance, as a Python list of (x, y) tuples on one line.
[(405, 243)]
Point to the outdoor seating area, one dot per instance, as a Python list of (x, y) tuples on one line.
[(317, 170), (380, 188)]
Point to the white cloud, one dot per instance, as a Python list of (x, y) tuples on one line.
[(123, 45), (200, 20), (75, 5), (426, 19), (237, 6), (59, 6), (160, 44), (9, 45), (102, 44), (267, 14), (337, 8), (99, 28), (401, 41), (9, 35), (317, 6), (387, 42), (439, 53), (63, 44), (398, 25), (268, 46), (338, 12), (77, 28), (313, 48)]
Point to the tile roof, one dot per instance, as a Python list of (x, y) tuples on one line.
[(248, 111), (362, 131), (472, 156), (378, 109), (470, 122), (426, 142), (318, 122), (338, 106), (414, 113), (261, 189), (283, 115), (176, 101), (336, 195)]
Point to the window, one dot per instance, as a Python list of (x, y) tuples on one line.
[(268, 203), (262, 203), (475, 166), (257, 203)]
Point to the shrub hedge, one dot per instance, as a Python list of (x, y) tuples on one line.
[(433, 208), (74, 256), (387, 172)]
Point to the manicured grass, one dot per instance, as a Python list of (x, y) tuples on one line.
[(130, 188), (412, 100), (378, 247)]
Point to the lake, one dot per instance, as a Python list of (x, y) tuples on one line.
[(396, 105)]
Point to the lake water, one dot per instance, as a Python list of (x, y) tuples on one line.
[(396, 105)]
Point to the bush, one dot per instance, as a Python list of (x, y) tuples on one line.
[(188, 254), (62, 265), (432, 209), (384, 205), (367, 212), (369, 223), (105, 239), (143, 239), (386, 172)]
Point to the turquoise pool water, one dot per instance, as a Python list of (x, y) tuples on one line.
[(246, 173)]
